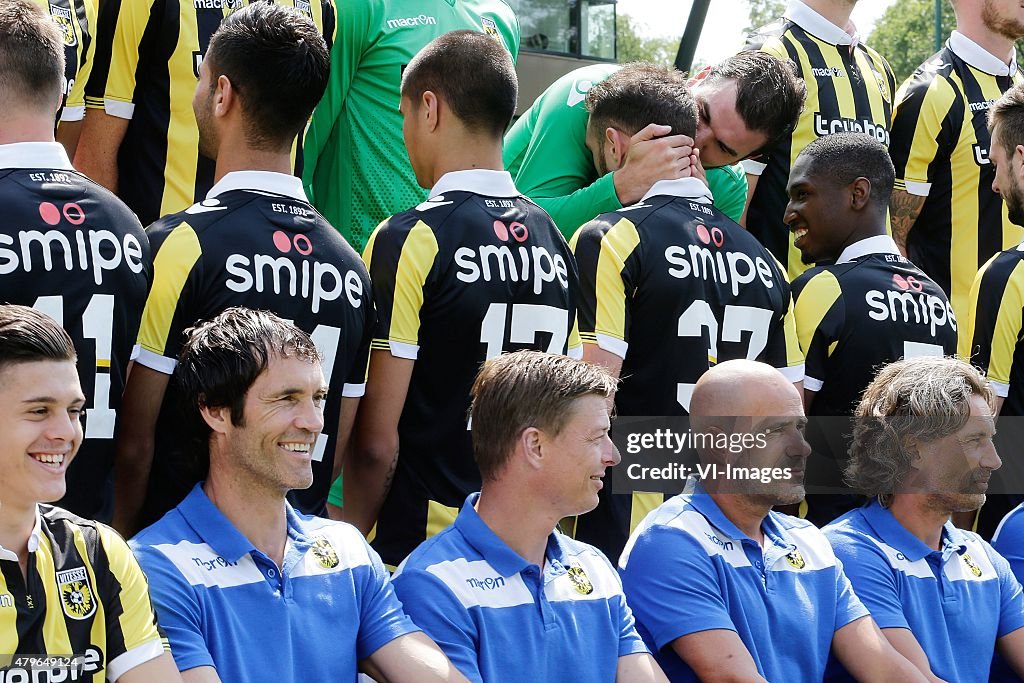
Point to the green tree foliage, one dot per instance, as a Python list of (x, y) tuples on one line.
[(632, 46), (905, 34), (763, 12)]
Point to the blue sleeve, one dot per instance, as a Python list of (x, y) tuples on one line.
[(630, 642), (1011, 596), (672, 586), (1009, 541), (381, 617), (849, 608), (863, 565), (442, 616), (177, 608)]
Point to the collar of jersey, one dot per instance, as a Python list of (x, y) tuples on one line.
[(495, 551), (687, 188), (34, 155), (478, 181), (892, 533), (879, 244), (820, 27), (33, 538), (980, 58), (260, 181), (219, 533), (701, 501)]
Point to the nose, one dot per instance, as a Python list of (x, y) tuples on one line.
[(990, 459), (311, 417), (995, 185), (64, 426), (789, 215), (611, 453), (800, 449)]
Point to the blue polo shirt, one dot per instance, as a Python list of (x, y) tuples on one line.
[(687, 568), (957, 601), (500, 618), (1009, 540), (225, 604)]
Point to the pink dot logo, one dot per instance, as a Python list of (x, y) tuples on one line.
[(74, 214), (303, 245), (519, 232), (900, 282), (49, 213), (702, 234), (501, 231), (914, 283), (717, 236), (282, 242)]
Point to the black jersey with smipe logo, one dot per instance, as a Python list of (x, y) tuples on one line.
[(254, 242), (74, 251)]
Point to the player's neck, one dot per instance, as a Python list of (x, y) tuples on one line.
[(912, 511), (995, 44), (745, 513), (522, 525), (258, 514), (241, 158), (468, 153), (836, 11), (16, 522), (26, 129)]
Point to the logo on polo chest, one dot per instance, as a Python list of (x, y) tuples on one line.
[(76, 596), (324, 553), (972, 565), (796, 560), (579, 579)]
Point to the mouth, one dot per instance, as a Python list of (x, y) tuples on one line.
[(54, 462), (298, 447), (798, 236), (599, 480)]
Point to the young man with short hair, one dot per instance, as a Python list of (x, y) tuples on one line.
[(249, 589), (502, 572), (922, 450), (69, 587), (254, 241), (474, 271)]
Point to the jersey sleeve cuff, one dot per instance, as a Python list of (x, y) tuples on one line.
[(812, 384), (403, 350), (133, 658), (1001, 390), (76, 113), (575, 352), (353, 390), (914, 187), (153, 361), (612, 345), (122, 110), (794, 373), (753, 167)]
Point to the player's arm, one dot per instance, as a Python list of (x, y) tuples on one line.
[(906, 644), (159, 670), (98, 145), (349, 408), (717, 656), (200, 674), (1011, 647), (370, 467), (133, 451), (412, 658), (639, 668), (869, 657), (918, 139)]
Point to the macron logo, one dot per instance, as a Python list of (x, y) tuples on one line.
[(411, 22)]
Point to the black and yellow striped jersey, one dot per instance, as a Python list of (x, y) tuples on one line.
[(849, 90), (255, 242), (870, 308), (940, 144), (76, 19), (994, 336), (474, 271), (83, 596), (147, 59), (74, 251), (673, 286)]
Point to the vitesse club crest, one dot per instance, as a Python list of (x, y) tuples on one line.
[(972, 565), (796, 560), (579, 580), (76, 596), (490, 28), (324, 553), (66, 21)]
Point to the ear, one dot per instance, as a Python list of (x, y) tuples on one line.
[(719, 454), (224, 96), (1017, 163), (617, 143), (860, 193), (530, 445), (218, 418), (914, 448), (430, 109)]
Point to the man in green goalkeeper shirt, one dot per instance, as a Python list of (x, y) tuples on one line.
[(355, 170), (744, 104)]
